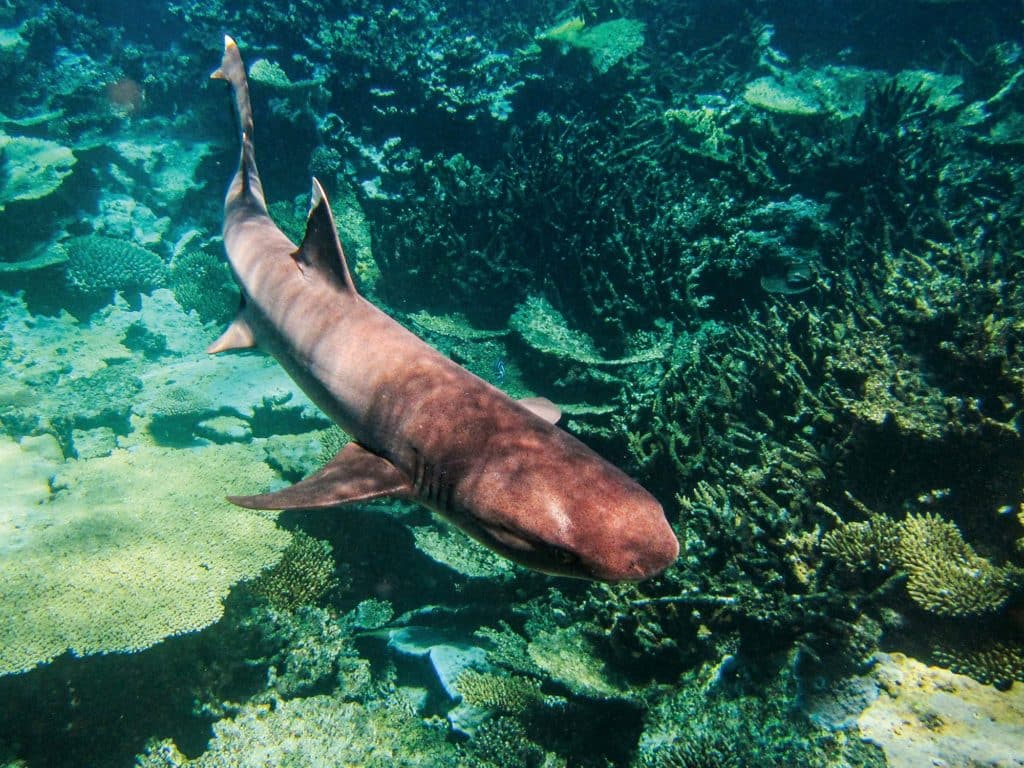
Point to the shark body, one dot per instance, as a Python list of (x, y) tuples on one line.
[(423, 427)]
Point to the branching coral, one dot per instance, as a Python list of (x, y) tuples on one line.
[(992, 663), (512, 694), (303, 575), (872, 545), (947, 577)]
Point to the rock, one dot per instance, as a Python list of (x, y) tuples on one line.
[(926, 716)]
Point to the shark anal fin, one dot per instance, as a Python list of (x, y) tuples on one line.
[(354, 474), (541, 406), (321, 249), (238, 335)]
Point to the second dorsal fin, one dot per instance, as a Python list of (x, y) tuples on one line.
[(321, 250)]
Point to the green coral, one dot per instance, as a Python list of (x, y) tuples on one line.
[(503, 742), (786, 96), (270, 73), (946, 577), (872, 545), (607, 43), (992, 663), (303, 575), (98, 265)]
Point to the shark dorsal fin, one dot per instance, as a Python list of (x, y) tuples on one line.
[(321, 250), (542, 407)]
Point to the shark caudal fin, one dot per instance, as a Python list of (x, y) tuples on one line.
[(321, 249), (246, 183)]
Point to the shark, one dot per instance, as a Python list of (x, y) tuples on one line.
[(422, 427)]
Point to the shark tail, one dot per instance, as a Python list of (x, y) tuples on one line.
[(247, 182)]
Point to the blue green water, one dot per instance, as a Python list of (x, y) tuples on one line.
[(765, 256)]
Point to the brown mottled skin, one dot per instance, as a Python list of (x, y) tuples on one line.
[(423, 427)]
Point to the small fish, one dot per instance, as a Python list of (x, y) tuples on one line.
[(499, 370)]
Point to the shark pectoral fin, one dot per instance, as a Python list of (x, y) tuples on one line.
[(321, 249), (237, 336), (541, 406), (354, 474)]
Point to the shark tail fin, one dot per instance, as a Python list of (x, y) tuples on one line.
[(321, 249), (247, 182)]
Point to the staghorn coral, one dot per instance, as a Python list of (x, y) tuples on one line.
[(502, 741), (995, 663), (149, 555), (303, 575), (703, 751), (872, 545), (512, 694), (946, 576)]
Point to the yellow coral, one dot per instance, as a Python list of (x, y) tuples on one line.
[(946, 576), (565, 32), (502, 693), (869, 545)]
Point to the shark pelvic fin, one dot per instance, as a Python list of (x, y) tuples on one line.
[(321, 250), (541, 406), (354, 474), (237, 336)]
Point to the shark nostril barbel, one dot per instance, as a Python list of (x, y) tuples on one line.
[(423, 428)]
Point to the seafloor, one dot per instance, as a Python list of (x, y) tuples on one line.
[(766, 255)]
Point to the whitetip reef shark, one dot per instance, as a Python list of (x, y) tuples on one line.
[(423, 428)]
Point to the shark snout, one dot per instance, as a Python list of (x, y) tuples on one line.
[(639, 546)]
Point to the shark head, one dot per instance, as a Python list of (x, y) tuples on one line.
[(577, 517)]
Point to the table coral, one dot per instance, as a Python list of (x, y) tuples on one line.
[(316, 731), (124, 553), (31, 168)]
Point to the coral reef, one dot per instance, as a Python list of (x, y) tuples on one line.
[(31, 168), (766, 261), (313, 731), (202, 283)]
